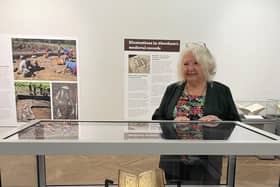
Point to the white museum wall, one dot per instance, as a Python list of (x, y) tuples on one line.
[(242, 34)]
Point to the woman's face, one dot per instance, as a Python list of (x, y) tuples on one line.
[(192, 70)]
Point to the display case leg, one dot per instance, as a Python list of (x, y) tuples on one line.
[(231, 171), (0, 178), (41, 170)]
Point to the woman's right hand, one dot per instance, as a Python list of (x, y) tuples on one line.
[(182, 118)]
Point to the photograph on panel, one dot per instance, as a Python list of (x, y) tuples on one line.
[(44, 59), (65, 100), (139, 63), (32, 100)]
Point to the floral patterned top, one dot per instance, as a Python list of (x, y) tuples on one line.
[(191, 107)]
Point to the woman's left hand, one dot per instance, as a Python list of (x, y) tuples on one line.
[(210, 118)]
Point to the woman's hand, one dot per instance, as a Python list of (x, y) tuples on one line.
[(210, 118), (182, 118)]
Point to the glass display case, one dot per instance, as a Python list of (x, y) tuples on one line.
[(263, 113), (180, 147), (262, 107)]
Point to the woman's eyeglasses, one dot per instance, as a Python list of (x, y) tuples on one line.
[(190, 44)]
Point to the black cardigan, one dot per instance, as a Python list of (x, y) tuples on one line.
[(218, 102)]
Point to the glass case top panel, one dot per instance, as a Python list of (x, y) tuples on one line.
[(119, 130)]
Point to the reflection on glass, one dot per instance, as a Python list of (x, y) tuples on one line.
[(142, 130), (51, 130), (110, 130), (201, 130), (188, 131)]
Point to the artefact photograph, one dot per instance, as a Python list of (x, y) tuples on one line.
[(65, 101), (138, 63), (44, 59), (32, 100)]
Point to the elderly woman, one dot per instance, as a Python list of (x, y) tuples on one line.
[(196, 97)]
